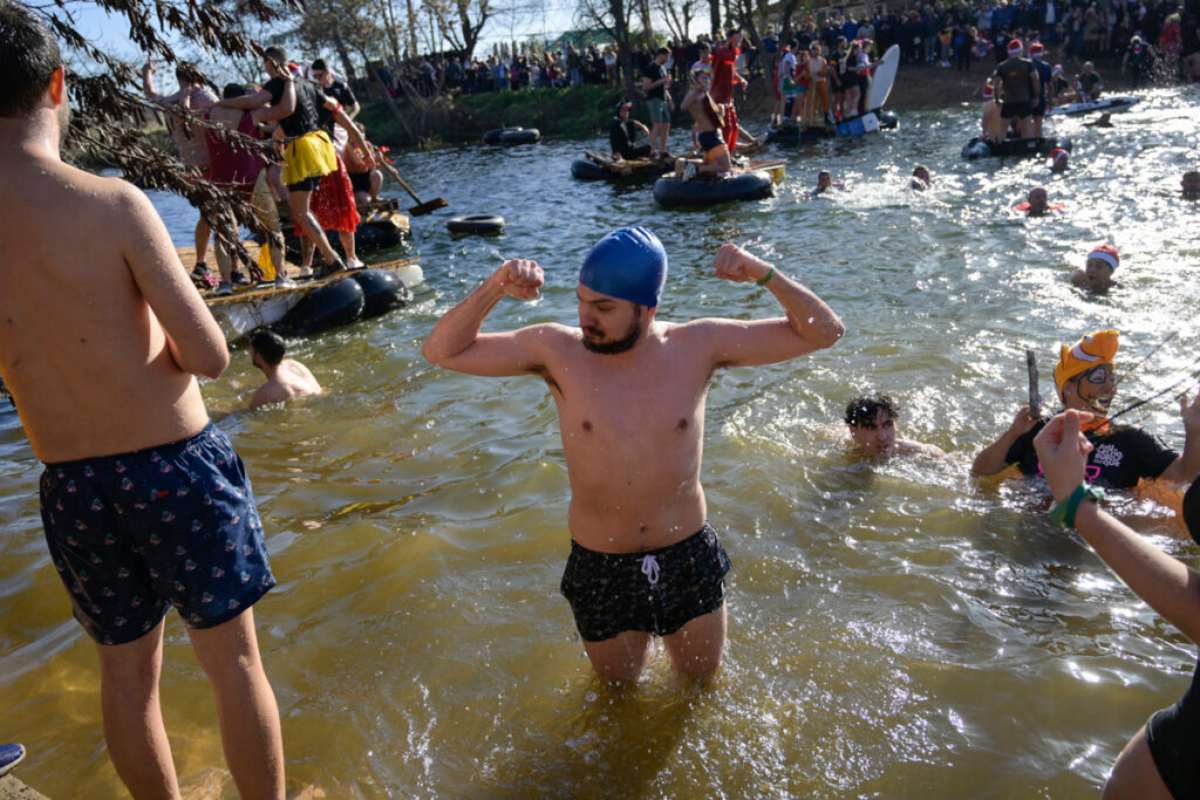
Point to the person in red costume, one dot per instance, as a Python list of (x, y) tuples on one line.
[(725, 77)]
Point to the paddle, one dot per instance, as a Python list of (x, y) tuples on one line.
[(421, 208)]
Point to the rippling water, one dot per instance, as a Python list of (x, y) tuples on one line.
[(894, 630)]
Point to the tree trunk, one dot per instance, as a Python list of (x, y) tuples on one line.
[(647, 24), (412, 30), (714, 16)]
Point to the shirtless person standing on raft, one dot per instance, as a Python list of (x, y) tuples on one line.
[(630, 392), (707, 118)]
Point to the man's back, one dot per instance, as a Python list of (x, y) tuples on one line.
[(79, 340), (1014, 77)]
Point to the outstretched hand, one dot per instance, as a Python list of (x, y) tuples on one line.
[(735, 264), (1024, 421), (1191, 414), (1062, 451), (521, 278)]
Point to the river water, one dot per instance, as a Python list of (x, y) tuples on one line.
[(896, 630)]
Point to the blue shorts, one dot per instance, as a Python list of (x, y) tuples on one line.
[(174, 524)]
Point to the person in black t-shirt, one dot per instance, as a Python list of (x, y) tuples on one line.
[(308, 155), (337, 89), (1018, 89), (655, 83), (1121, 455), (1162, 760), (623, 131)]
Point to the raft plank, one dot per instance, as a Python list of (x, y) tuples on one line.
[(265, 292)]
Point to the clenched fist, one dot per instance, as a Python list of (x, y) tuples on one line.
[(735, 264), (521, 278)]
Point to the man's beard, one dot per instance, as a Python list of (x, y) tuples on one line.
[(620, 345)]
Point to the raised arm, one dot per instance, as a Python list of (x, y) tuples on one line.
[(356, 135), (260, 99), (993, 458), (194, 339), (456, 343), (809, 324), (1168, 586), (1186, 467)]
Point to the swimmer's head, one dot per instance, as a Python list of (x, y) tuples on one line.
[(1038, 200), (921, 177), (1085, 376), (1102, 261), (1191, 185), (824, 179), (620, 285), (1059, 160), (871, 420), (266, 349)]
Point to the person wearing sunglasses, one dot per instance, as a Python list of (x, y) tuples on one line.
[(1121, 455)]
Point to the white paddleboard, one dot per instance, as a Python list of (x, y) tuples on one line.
[(884, 78)]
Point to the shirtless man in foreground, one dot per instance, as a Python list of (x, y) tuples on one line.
[(145, 504), (630, 392), (287, 378)]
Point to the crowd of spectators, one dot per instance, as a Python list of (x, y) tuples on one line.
[(949, 35)]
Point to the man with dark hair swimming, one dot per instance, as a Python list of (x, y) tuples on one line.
[(630, 392), (287, 378), (871, 423)]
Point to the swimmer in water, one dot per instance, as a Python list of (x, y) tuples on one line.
[(1037, 204), (921, 179), (1060, 160), (287, 378), (824, 184), (630, 392), (1096, 276), (1085, 378), (1105, 121), (871, 423), (1190, 184)]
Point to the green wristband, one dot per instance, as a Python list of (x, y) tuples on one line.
[(1063, 514), (765, 279)]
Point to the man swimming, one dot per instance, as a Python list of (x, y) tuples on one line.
[(1086, 381), (871, 423), (287, 378), (1037, 202), (630, 392), (145, 504), (1060, 161), (921, 179), (1096, 275), (1190, 185)]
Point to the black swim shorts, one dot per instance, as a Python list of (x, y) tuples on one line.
[(173, 525), (306, 185), (1174, 738), (709, 140), (1017, 110), (657, 591), (361, 181)]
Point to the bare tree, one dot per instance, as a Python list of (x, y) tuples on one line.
[(470, 17), (678, 15), (613, 17)]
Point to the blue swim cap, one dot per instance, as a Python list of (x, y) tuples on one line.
[(630, 264)]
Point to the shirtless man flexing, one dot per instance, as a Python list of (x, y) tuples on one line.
[(630, 392), (145, 504)]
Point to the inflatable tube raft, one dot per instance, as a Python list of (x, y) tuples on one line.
[(477, 224), (794, 134), (323, 309), (1014, 148), (675, 193), (382, 292), (584, 170), (511, 136), (1094, 106)]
